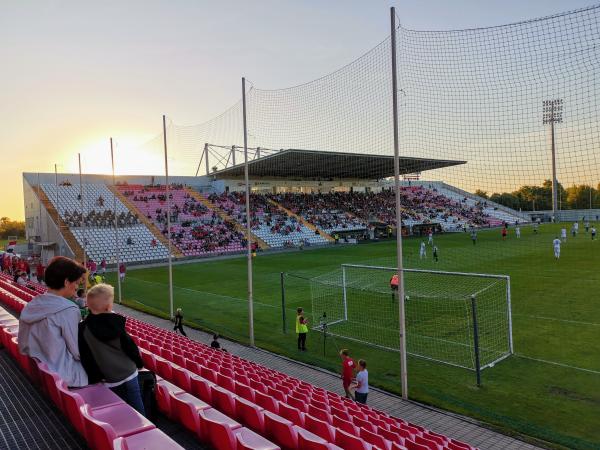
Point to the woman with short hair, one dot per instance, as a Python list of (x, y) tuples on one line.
[(48, 323)]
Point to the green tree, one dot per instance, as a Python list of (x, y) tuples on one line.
[(482, 194), (10, 227)]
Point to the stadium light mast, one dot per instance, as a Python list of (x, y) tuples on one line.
[(552, 113), (248, 227), (399, 264), (117, 247), (82, 211), (168, 218)]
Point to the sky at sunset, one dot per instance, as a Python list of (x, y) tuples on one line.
[(75, 73)]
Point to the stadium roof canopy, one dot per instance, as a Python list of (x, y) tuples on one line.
[(323, 165)]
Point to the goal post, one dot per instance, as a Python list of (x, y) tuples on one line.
[(456, 318)]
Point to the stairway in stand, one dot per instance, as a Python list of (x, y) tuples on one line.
[(72, 242), (303, 221), (238, 226)]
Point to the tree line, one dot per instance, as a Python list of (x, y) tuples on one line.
[(537, 198), (10, 227)]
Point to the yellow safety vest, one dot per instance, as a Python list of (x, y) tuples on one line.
[(300, 327)]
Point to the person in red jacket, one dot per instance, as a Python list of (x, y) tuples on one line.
[(122, 271), (348, 367)]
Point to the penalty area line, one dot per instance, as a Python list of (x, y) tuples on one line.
[(595, 372)]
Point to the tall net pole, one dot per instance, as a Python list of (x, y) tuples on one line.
[(117, 248), (248, 226), (403, 369), (168, 217), (82, 212)]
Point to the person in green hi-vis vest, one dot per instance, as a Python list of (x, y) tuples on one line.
[(301, 329)]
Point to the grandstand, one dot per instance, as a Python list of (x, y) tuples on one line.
[(291, 206)]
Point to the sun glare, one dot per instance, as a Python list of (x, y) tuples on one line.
[(130, 154)]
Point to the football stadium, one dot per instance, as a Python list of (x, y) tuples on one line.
[(400, 254)]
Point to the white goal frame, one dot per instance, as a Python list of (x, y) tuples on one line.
[(478, 368)]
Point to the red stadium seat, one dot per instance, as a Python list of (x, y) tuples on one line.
[(389, 435), (362, 423), (218, 427), (181, 378), (320, 428), (375, 439), (208, 374), (250, 415), (201, 388), (164, 368), (248, 440), (349, 442), (292, 414), (185, 409), (178, 359), (49, 380), (276, 394), (281, 431), (300, 405), (244, 391), (345, 425), (149, 360), (457, 445), (223, 400), (225, 382), (411, 445), (319, 413), (432, 445), (164, 390), (267, 402)]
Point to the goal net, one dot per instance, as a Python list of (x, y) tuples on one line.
[(451, 317)]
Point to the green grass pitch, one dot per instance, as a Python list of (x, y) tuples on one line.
[(549, 389)]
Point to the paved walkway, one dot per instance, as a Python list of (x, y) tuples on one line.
[(453, 425)]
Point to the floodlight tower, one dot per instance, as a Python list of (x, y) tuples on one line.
[(552, 113)]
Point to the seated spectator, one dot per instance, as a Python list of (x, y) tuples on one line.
[(22, 279), (108, 353), (48, 323), (215, 343)]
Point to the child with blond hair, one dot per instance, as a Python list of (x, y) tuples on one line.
[(108, 353)]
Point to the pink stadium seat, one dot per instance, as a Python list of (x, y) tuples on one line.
[(146, 440), (185, 409), (281, 431), (201, 388), (320, 428), (248, 440), (104, 425), (310, 441), (250, 415), (223, 400), (349, 442), (292, 414), (267, 402), (96, 396)]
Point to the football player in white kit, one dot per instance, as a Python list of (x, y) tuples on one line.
[(556, 245)]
